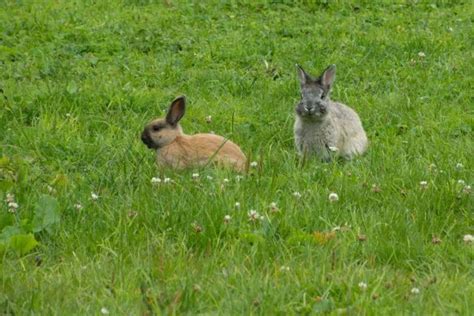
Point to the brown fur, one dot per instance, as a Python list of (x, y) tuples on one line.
[(199, 150), (177, 150)]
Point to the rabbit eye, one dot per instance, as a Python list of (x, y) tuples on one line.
[(156, 128)]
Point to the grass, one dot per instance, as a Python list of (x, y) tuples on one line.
[(80, 79)]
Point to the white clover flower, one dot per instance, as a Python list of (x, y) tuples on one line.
[(459, 166), (197, 228), (104, 311), (166, 180), (50, 189), (296, 194), (273, 206), (78, 206), (253, 164), (238, 178), (375, 188), (94, 196), (209, 119), (415, 291), (155, 180), (12, 207), (195, 175), (68, 114), (461, 182), (227, 219), (466, 189), (450, 29), (422, 54), (362, 285), (284, 268), (468, 238), (423, 185), (253, 215), (226, 180), (209, 177), (237, 205), (10, 198), (333, 197)]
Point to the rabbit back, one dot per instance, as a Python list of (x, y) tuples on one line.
[(352, 138), (199, 150)]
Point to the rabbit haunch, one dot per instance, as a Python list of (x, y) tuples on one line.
[(322, 126), (177, 150)]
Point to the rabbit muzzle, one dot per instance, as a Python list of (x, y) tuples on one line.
[(146, 139), (313, 111)]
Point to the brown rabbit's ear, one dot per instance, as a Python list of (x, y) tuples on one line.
[(328, 76), (176, 111), (304, 77)]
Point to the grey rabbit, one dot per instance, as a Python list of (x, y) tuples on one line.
[(324, 127)]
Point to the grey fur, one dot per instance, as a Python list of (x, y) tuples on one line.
[(323, 127)]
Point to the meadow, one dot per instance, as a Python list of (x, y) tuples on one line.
[(84, 230)]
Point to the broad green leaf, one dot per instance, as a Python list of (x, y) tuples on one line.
[(46, 214), (22, 244), (8, 232), (323, 306), (72, 87)]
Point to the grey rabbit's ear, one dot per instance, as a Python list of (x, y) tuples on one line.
[(304, 77), (328, 76), (176, 111)]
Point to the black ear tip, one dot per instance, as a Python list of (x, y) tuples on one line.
[(181, 98)]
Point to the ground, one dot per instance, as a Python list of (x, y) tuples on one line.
[(84, 230)]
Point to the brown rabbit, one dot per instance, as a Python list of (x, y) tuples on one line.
[(177, 150)]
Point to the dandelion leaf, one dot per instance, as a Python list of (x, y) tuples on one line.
[(22, 244), (46, 214)]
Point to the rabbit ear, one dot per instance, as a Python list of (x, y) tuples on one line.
[(304, 77), (328, 76), (176, 111)]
